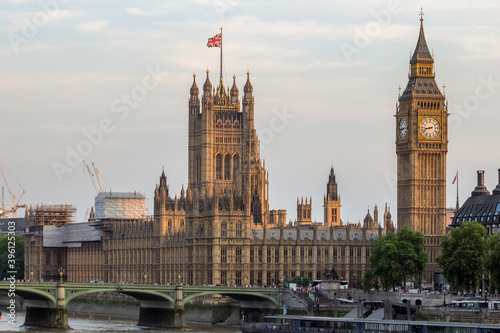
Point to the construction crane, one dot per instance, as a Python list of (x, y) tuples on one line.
[(95, 177), (12, 206)]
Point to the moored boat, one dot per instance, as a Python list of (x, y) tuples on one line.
[(305, 324)]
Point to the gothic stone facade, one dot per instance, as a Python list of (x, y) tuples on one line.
[(219, 230)]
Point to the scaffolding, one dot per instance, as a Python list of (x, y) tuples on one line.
[(56, 215)]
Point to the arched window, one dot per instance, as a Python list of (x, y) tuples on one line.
[(236, 165), (182, 224), (223, 229), (227, 167), (239, 228), (218, 167)]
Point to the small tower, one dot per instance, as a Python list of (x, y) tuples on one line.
[(331, 202), (194, 100), (234, 93), (304, 210), (368, 220), (388, 224)]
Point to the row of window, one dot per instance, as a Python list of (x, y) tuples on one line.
[(225, 169), (221, 139), (224, 229), (237, 257), (306, 255)]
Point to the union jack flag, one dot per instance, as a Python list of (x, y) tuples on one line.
[(456, 177), (215, 41)]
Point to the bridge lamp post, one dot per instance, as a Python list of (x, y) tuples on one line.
[(179, 278), (61, 272), (145, 277), (281, 281), (32, 272), (245, 279)]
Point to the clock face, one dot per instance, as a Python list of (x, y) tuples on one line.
[(430, 128), (403, 128)]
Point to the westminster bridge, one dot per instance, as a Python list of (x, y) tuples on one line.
[(160, 305)]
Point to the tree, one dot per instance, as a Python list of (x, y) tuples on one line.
[(493, 260), (384, 261), (369, 281), (397, 257), (412, 253), (297, 280), (463, 256), (17, 255)]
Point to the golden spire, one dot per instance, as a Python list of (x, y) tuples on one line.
[(422, 14)]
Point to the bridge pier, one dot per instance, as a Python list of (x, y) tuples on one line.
[(49, 317), (157, 315), (179, 311)]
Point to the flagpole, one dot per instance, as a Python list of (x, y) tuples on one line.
[(221, 53)]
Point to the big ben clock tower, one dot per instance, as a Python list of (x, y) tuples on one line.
[(421, 147)]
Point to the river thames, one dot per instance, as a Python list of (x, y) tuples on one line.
[(101, 324)]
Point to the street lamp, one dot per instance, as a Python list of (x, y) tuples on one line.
[(179, 278), (61, 272), (145, 277), (245, 279), (32, 272), (281, 281)]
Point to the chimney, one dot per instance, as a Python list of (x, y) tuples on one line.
[(480, 188), (496, 191)]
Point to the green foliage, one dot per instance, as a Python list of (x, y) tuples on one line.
[(464, 255), (18, 254), (397, 257), (412, 254), (369, 281), (296, 279), (493, 261)]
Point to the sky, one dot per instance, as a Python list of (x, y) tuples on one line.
[(108, 82)]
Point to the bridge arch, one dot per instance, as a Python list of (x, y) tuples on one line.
[(136, 293), (43, 298), (249, 295)]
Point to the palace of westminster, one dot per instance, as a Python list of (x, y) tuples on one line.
[(221, 231)]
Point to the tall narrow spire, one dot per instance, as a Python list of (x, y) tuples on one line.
[(421, 50), (207, 86), (234, 91), (248, 86), (421, 81), (331, 186), (194, 88)]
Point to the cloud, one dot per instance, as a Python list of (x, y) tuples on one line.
[(92, 26), (159, 10), (17, 21)]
